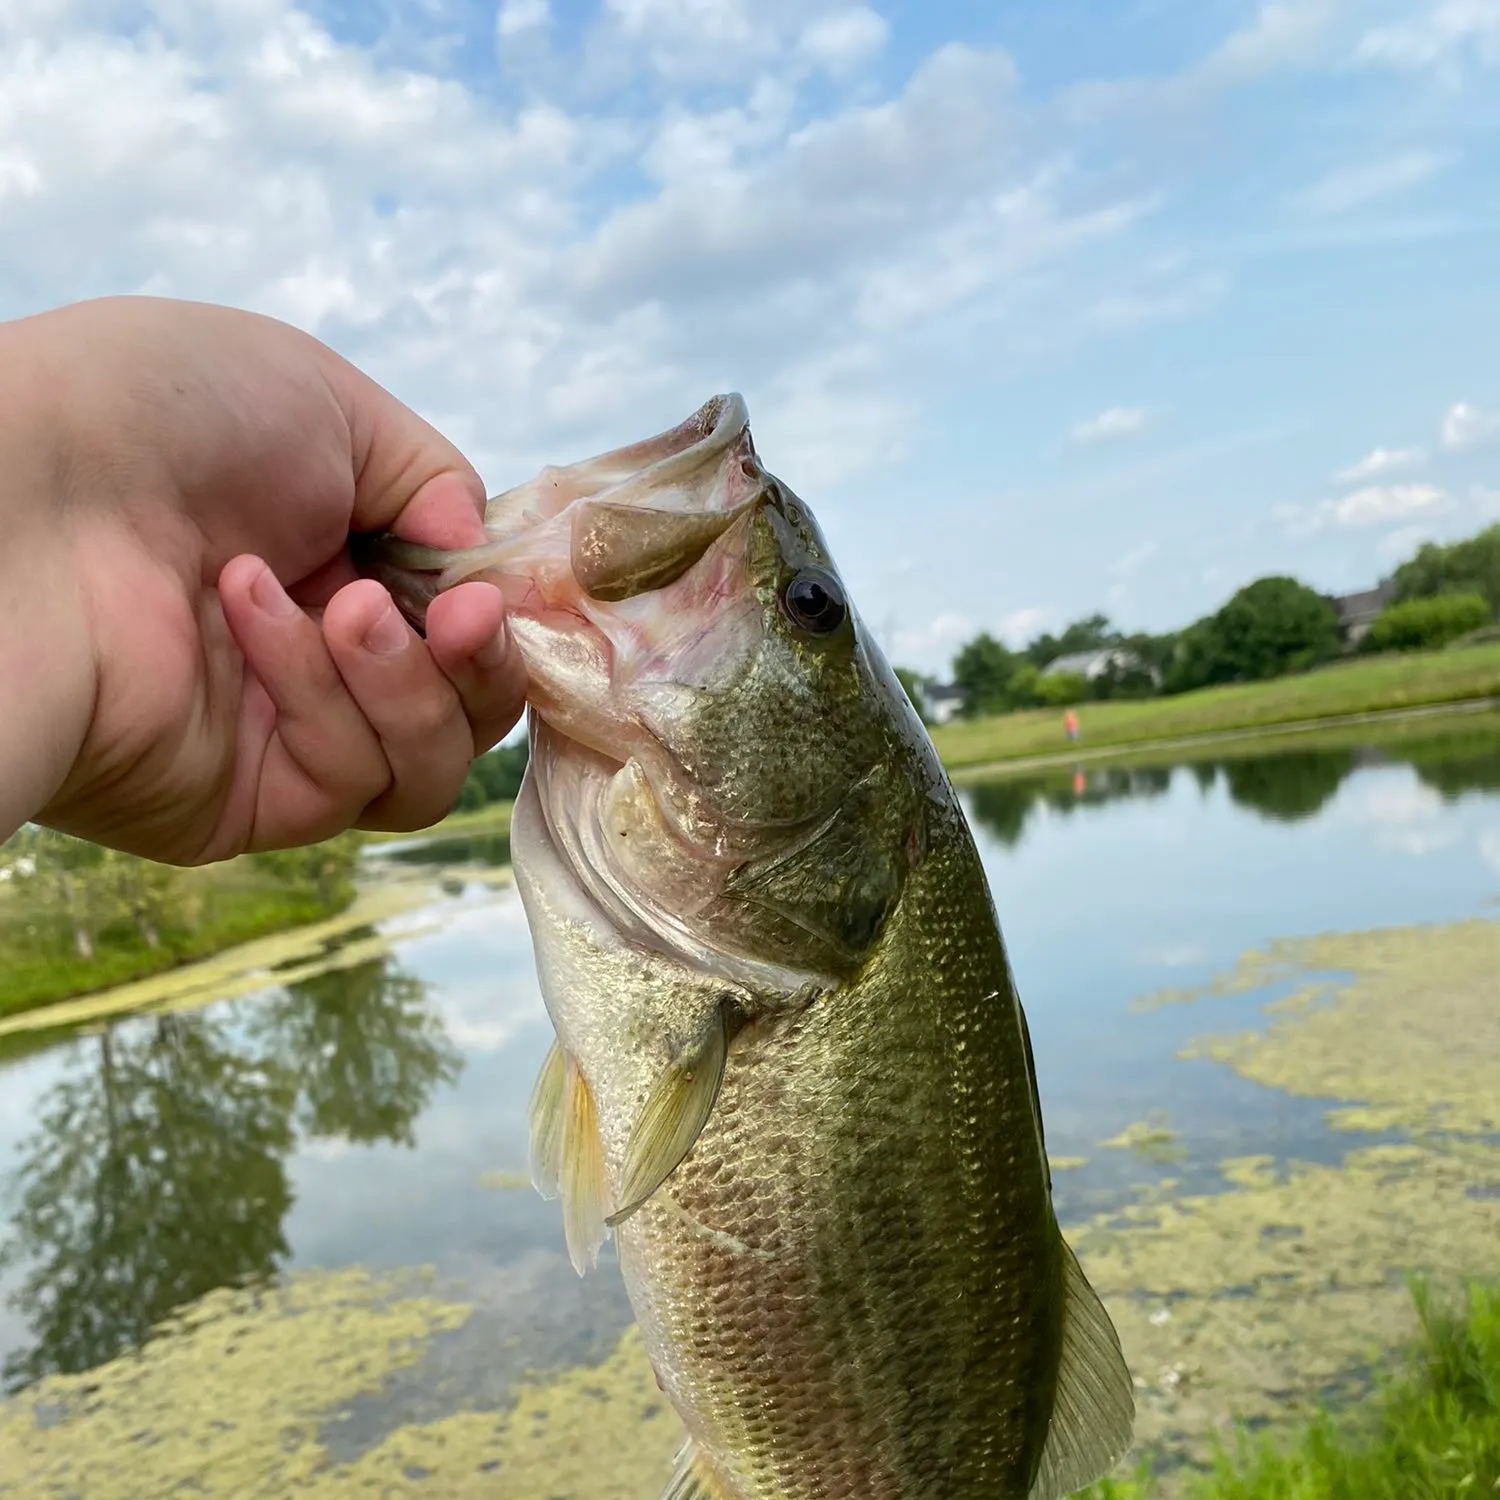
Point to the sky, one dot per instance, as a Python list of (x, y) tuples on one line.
[(1045, 308)]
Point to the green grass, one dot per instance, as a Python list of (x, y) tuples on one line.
[(1357, 687), (228, 904), (492, 818), (1430, 1432)]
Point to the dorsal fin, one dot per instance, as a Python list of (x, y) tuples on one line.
[(1093, 1409)]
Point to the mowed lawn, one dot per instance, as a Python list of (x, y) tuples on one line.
[(1370, 685)]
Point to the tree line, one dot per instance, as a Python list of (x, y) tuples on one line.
[(1269, 628)]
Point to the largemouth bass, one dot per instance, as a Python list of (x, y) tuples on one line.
[(792, 1075)]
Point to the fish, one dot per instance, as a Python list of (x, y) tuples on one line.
[(791, 1076)]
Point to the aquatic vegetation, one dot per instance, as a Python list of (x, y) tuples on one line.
[(1414, 1038), (1432, 1433), (1152, 1138)]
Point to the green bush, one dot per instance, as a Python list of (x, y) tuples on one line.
[(1426, 624), (1061, 689)]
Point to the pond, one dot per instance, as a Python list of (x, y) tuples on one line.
[(318, 1190)]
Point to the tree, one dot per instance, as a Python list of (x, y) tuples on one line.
[(1270, 627), (496, 775), (327, 869), (982, 671), (1089, 634), (1467, 567), (1425, 624)]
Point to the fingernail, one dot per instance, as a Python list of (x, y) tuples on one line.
[(387, 635), (493, 652), (270, 597)]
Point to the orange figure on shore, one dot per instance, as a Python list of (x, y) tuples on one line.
[(1070, 724)]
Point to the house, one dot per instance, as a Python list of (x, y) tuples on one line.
[(1092, 665), (940, 701), (1357, 612)]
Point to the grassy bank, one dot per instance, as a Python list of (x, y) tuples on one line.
[(1431, 1431), (493, 818), (88, 919), (1359, 687)]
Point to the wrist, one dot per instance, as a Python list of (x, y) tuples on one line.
[(47, 672)]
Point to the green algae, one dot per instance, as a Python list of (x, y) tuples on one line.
[(1252, 1304), (228, 1399), (1411, 1040), (234, 1396), (1153, 1139)]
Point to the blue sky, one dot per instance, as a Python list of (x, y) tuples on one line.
[(1044, 307)]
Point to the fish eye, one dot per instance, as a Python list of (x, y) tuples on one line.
[(814, 601)]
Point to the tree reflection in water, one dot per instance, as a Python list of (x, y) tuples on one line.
[(157, 1171), (1286, 786)]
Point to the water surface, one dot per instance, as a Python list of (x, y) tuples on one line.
[(375, 1116)]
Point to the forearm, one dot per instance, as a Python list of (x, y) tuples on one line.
[(46, 658)]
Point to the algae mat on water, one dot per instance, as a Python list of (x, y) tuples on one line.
[(233, 1400), (1257, 1302), (1251, 1303)]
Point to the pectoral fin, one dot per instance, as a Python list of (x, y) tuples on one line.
[(674, 1115), (567, 1154), (1093, 1409)]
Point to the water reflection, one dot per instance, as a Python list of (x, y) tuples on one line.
[(1287, 785), (157, 1168)]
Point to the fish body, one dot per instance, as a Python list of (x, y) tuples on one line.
[(792, 1073)]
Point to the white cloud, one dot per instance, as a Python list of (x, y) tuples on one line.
[(1486, 502), (1020, 625), (1489, 848), (1112, 423), (698, 41), (1351, 186), (1282, 33), (930, 647), (1403, 814), (1133, 560), (481, 257), (1378, 504), (1450, 33), (1466, 426), (1379, 461), (1371, 505), (845, 38), (518, 16)]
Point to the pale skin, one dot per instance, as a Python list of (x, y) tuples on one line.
[(189, 666)]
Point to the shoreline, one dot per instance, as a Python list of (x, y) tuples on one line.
[(1120, 749), (494, 820)]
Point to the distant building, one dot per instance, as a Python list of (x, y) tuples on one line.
[(1092, 665), (941, 701), (1357, 612)]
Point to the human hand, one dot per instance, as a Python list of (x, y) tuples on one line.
[(179, 482)]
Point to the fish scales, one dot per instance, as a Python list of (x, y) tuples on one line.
[(792, 1074)]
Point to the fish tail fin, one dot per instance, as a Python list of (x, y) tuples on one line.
[(691, 1478), (1093, 1410), (411, 574)]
